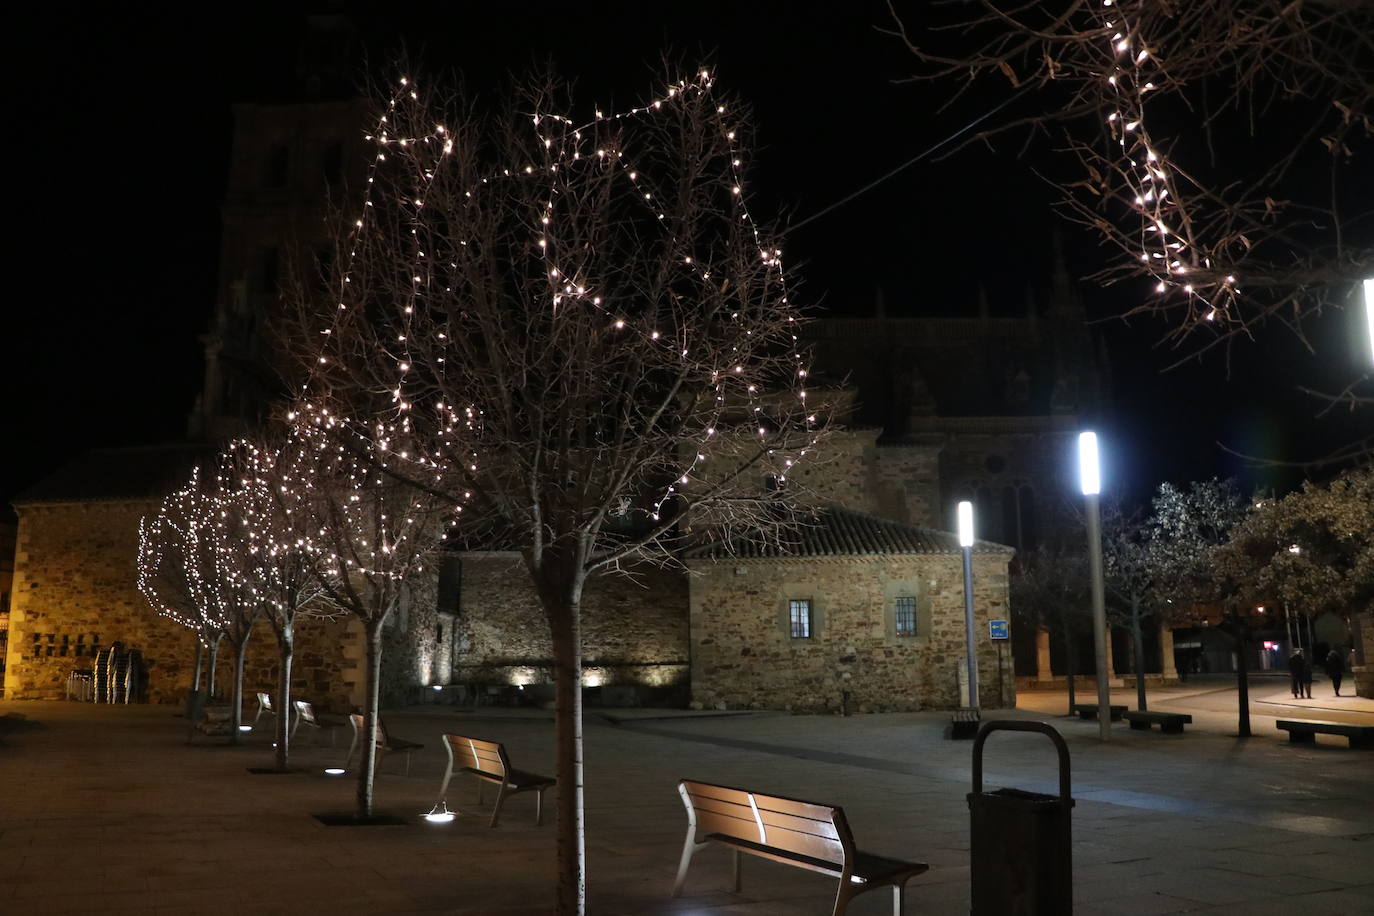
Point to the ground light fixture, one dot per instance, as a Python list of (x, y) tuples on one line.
[(245, 728), (965, 513), (1090, 482), (334, 771), (439, 814)]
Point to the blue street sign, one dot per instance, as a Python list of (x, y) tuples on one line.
[(997, 629)]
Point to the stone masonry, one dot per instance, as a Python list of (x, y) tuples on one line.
[(634, 627), (743, 655), (75, 592)]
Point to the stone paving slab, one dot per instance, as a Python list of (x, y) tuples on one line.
[(105, 808)]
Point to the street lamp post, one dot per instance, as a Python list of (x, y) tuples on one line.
[(1090, 479), (966, 545)]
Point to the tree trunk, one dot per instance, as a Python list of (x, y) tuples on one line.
[(565, 626), (1242, 684), (286, 647), (195, 683), (240, 656), (214, 663), (1138, 651), (1069, 663), (367, 761)]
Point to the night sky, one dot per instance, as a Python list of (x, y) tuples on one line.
[(120, 127)]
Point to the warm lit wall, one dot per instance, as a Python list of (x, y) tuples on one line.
[(634, 629), (75, 590)]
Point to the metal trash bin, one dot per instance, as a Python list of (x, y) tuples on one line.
[(1019, 842)]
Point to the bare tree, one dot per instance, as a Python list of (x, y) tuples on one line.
[(177, 570), (190, 567), (373, 537), (574, 331), (1049, 590), (1221, 148), (276, 550)]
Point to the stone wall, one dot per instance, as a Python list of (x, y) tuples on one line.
[(634, 629), (905, 481), (743, 655), (75, 591)]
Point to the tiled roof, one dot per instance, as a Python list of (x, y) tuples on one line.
[(114, 474), (840, 532)]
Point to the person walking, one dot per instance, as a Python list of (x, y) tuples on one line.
[(1296, 666), (1335, 669)]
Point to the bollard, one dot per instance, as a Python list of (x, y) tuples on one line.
[(1020, 854)]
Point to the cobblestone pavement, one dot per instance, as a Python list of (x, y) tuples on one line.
[(106, 809)]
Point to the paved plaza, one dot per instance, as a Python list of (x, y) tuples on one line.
[(106, 809)]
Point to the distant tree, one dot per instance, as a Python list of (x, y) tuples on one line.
[(574, 332), (1190, 526), (1313, 547), (1133, 574), (1049, 591)]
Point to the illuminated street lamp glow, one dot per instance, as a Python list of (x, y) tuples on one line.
[(1090, 478), (1369, 313), (1089, 470), (965, 513), (965, 524)]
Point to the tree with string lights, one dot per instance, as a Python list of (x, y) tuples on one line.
[(1220, 149), (276, 555), (191, 568), (574, 331), (372, 540), (177, 572)]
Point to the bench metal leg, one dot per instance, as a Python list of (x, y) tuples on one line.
[(500, 800), (539, 808), (689, 848), (443, 786), (898, 898), (738, 871), (843, 895)]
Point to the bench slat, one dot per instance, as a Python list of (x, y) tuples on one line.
[(777, 803), (806, 844), (709, 822)]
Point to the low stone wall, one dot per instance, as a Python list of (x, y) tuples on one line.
[(634, 628)]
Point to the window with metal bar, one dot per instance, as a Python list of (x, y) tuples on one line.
[(906, 616), (799, 616)]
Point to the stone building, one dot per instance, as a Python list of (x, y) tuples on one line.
[(853, 613)]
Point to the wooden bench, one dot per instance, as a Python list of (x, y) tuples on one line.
[(1089, 711), (488, 761), (383, 743), (305, 715), (798, 833), (1304, 731), (963, 723), (1169, 722)]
